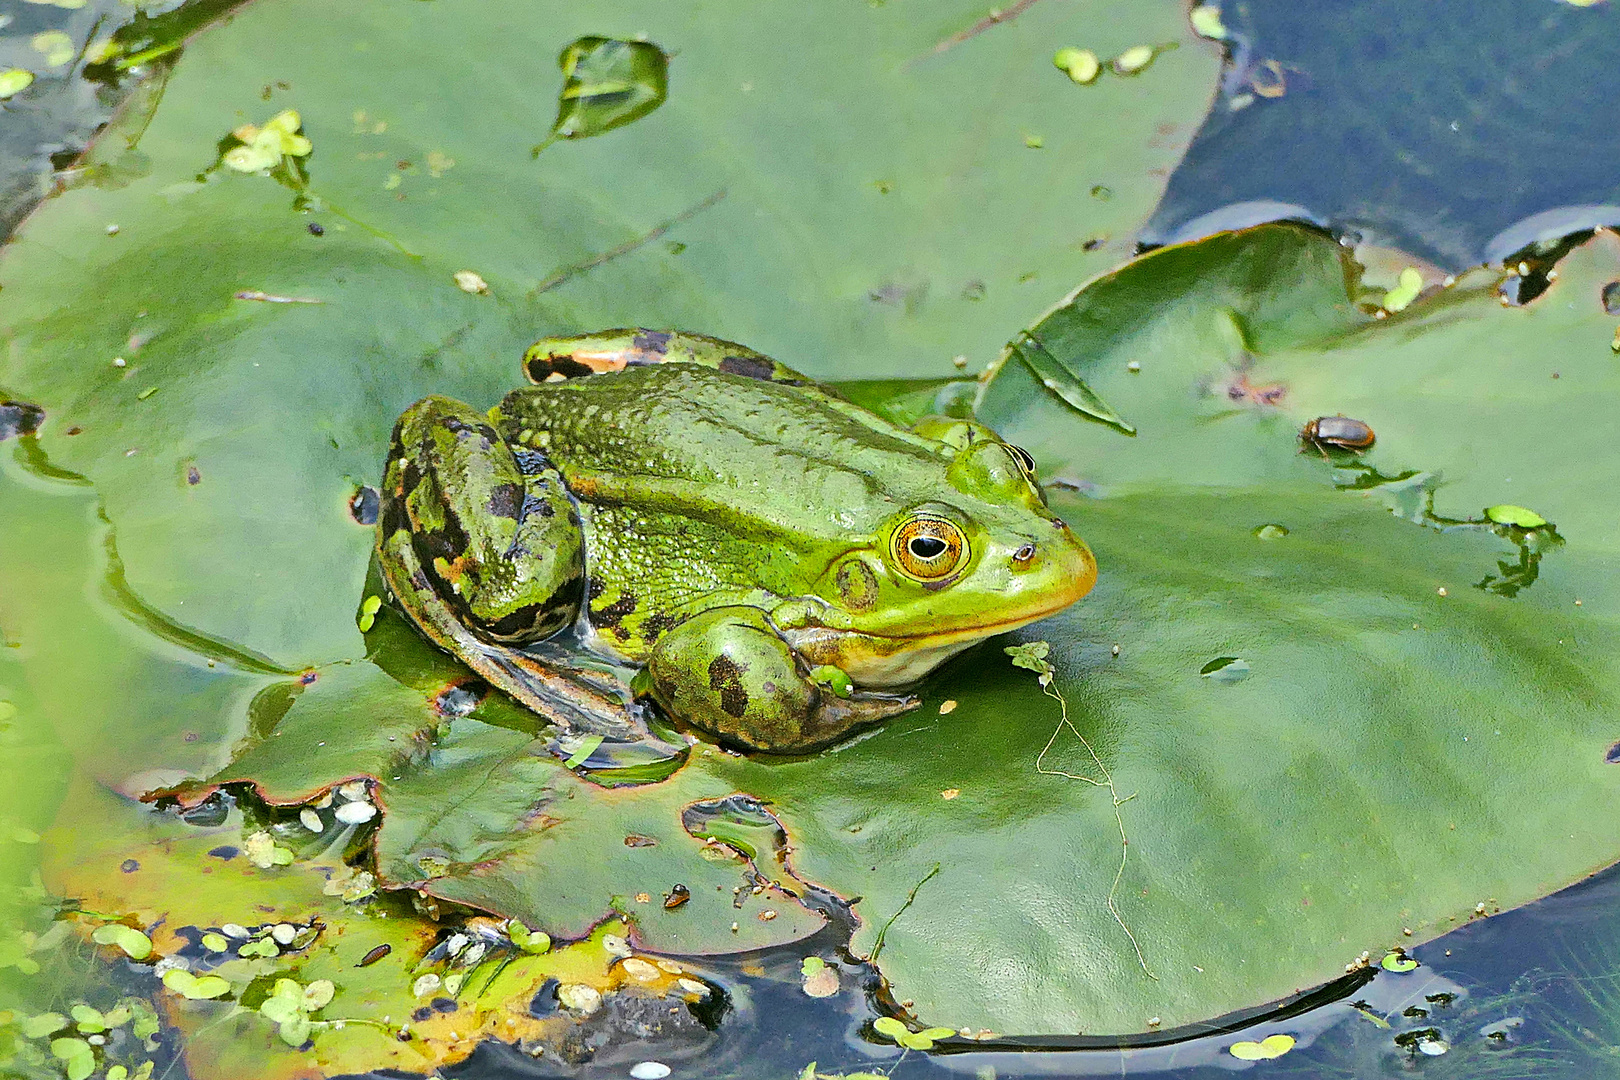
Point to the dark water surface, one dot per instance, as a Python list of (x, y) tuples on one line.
[(1458, 133)]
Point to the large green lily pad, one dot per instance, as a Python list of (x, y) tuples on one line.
[(1380, 761)]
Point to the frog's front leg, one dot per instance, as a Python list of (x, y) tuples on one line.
[(730, 673), (469, 526)]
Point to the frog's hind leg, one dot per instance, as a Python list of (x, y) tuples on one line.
[(550, 359), (491, 534)]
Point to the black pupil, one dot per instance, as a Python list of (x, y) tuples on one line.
[(927, 547)]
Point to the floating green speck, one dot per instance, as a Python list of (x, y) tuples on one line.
[(1206, 22), (1134, 59), (56, 47), (136, 945), (1397, 961), (14, 81), (1508, 514), (1081, 65), (1272, 1046), (1402, 295)]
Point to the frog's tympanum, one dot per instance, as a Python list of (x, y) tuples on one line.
[(780, 563)]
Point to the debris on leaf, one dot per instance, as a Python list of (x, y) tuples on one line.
[(1081, 65), (264, 147), (1398, 961), (468, 281)]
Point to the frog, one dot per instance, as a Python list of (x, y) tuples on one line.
[(777, 565)]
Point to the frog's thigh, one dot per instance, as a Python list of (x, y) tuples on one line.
[(615, 350), (727, 671), (495, 532)]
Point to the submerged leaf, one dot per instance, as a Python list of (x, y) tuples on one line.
[(607, 83)]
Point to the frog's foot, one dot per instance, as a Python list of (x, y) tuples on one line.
[(728, 672), (550, 359)]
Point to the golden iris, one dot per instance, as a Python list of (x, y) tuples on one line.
[(929, 548)]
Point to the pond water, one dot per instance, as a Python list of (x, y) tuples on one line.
[(1532, 991)]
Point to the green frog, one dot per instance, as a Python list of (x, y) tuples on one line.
[(778, 564)]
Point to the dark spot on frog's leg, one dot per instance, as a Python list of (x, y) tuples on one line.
[(726, 677), (1613, 754), (410, 479), (750, 367), (193, 475), (596, 590), (541, 368), (448, 543), (505, 500), (525, 624), (653, 341), (393, 517)]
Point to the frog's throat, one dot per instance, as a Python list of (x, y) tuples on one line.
[(880, 662)]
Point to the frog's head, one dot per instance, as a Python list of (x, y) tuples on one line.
[(979, 555)]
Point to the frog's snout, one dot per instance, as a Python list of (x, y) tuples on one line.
[(1060, 566)]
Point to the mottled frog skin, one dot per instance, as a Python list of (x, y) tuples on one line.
[(779, 562)]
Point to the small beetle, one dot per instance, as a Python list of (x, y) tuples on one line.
[(1336, 433)]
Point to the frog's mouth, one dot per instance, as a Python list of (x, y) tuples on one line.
[(880, 662)]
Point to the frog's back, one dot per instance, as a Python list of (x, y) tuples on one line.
[(746, 455)]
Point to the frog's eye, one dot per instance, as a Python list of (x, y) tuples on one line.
[(929, 548)]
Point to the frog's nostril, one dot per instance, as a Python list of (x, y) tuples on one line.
[(1024, 554)]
